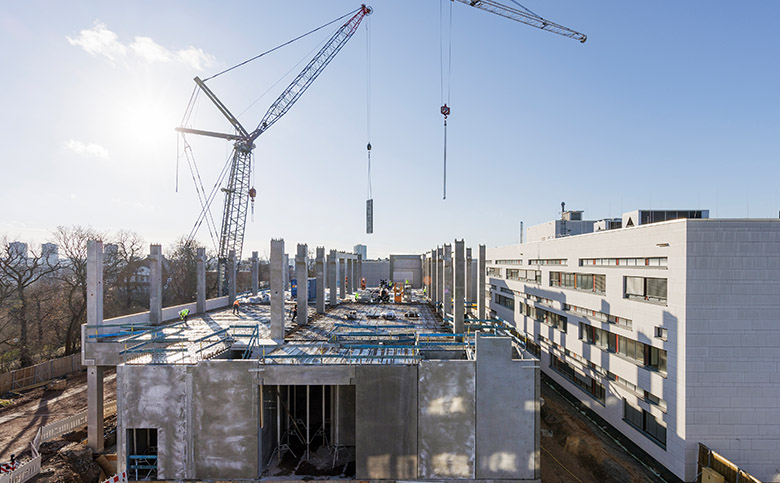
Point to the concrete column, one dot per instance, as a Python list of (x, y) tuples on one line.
[(286, 272), (440, 275), (341, 274), (332, 278), (448, 279), (200, 261), (434, 276), (155, 284), (277, 290), (94, 282), (469, 276), (355, 284), (255, 272), (350, 276), (359, 271), (95, 317), (392, 269), (319, 270), (481, 284), (232, 272), (302, 276), (95, 408), (460, 287)]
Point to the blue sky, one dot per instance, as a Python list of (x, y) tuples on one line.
[(668, 105)]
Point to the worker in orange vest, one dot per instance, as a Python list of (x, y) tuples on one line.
[(236, 304)]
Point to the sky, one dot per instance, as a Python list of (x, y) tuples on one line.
[(668, 105)]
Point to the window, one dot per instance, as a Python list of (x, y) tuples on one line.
[(599, 316), (509, 262), (586, 383), (524, 275), (652, 399), (624, 262), (641, 354), (586, 282), (646, 288), (505, 301), (660, 333), (547, 261), (544, 316), (648, 424), (493, 272)]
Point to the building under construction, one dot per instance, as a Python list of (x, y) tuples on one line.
[(354, 388)]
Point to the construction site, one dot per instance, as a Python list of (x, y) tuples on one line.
[(601, 350)]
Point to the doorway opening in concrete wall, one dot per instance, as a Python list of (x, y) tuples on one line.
[(308, 430), (142, 453)]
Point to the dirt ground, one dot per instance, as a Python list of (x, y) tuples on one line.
[(35, 408), (575, 449)]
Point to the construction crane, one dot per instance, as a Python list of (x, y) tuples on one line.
[(522, 15), (237, 189)]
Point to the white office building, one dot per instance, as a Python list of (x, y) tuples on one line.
[(668, 330)]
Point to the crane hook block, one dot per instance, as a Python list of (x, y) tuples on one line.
[(368, 146), (445, 110), (252, 193)]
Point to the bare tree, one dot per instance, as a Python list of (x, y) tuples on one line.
[(180, 272), (20, 271), (125, 293), (72, 242)]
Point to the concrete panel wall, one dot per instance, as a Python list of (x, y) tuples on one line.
[(507, 414), (225, 420), (386, 409), (376, 270), (155, 396), (446, 422)]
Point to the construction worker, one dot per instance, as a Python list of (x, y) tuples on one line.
[(183, 313), (357, 296), (236, 304), (294, 313)]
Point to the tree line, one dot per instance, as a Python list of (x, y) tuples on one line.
[(43, 299)]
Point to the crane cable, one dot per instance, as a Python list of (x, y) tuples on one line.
[(282, 45), (445, 109)]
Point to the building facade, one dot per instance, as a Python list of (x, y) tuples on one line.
[(669, 330)]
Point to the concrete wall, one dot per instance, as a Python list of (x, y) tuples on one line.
[(376, 270), (446, 424), (507, 416), (386, 410), (155, 397), (225, 420), (732, 344), (407, 267)]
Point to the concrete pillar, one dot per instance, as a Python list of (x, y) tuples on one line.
[(354, 277), (95, 408), (319, 270), (469, 276), (302, 276), (95, 317), (341, 274), (434, 276), (200, 268), (481, 284), (155, 284), (232, 273), (332, 278), (255, 272), (359, 271), (392, 269), (94, 282), (440, 275), (286, 272), (460, 286), (350, 276), (448, 279), (277, 290)]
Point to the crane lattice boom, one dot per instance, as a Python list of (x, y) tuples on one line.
[(525, 17)]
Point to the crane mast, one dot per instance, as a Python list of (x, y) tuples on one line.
[(238, 191)]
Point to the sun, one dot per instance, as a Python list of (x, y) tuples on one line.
[(148, 121)]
